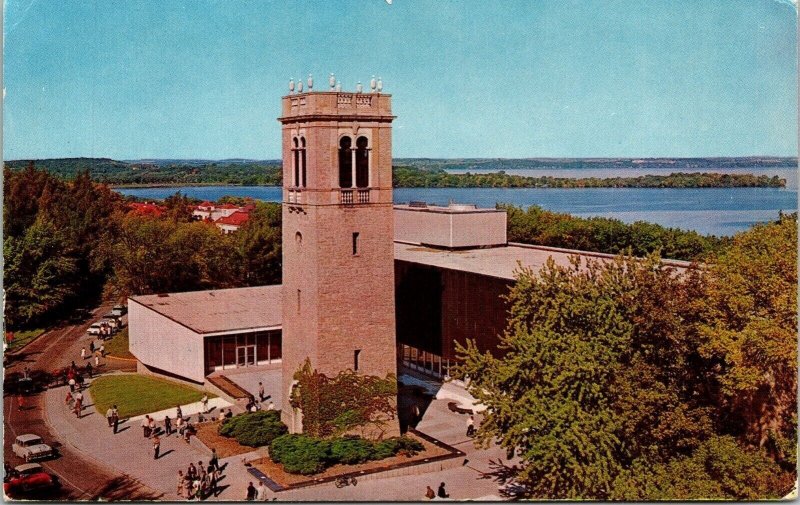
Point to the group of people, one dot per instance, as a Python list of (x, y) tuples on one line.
[(112, 416), (74, 401), (441, 492), (199, 482), (254, 493), (253, 405), (97, 352)]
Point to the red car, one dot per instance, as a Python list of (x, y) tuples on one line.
[(28, 479)]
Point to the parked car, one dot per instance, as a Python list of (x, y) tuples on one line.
[(30, 447), (119, 310), (112, 322), (17, 383), (27, 479), (94, 329)]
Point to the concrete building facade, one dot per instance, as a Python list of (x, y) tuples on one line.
[(338, 266)]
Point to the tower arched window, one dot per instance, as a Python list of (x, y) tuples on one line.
[(302, 181), (295, 163), (345, 163), (362, 162)]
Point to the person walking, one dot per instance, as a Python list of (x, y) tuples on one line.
[(430, 493), (96, 359), (180, 425), (251, 492), (178, 413), (102, 350), (83, 353), (181, 483), (72, 384), (191, 472), (91, 346), (89, 369), (69, 399), (471, 426), (271, 406), (167, 426), (442, 492), (146, 426), (151, 423), (260, 392), (115, 418), (156, 446), (78, 401), (204, 401), (214, 461), (261, 492), (110, 417)]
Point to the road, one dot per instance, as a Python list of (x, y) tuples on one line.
[(81, 478)]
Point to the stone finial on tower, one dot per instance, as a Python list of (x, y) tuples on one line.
[(310, 82), (338, 86), (380, 84), (299, 85), (372, 84), (359, 87), (291, 85), (332, 81)]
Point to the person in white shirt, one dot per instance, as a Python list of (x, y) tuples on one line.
[(261, 492)]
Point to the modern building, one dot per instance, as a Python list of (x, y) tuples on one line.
[(367, 286), (191, 335)]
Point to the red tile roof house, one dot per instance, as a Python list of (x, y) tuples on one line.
[(229, 224), (146, 209), (213, 212)]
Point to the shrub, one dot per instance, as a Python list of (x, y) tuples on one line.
[(391, 446), (254, 429), (351, 450), (301, 454)]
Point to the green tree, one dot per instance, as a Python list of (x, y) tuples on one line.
[(749, 333)]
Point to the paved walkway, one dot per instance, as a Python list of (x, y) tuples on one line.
[(130, 453), (190, 409)]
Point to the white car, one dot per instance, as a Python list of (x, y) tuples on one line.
[(30, 447), (94, 329)]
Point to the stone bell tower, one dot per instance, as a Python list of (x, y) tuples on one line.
[(338, 252)]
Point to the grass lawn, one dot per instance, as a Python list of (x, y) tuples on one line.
[(118, 346), (139, 394), (23, 337)]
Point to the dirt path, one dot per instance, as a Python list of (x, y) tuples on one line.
[(81, 479)]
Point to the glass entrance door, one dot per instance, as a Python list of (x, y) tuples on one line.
[(245, 355)]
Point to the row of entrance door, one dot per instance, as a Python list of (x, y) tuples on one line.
[(245, 355)]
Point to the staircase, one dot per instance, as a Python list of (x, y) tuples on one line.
[(221, 384)]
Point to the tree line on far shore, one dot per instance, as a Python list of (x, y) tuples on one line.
[(420, 174)]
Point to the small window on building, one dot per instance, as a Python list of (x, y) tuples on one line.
[(355, 243), (356, 355), (298, 301)]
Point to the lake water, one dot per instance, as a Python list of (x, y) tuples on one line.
[(720, 211)]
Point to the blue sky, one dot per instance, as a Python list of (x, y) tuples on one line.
[(471, 78)]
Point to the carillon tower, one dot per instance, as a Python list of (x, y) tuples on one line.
[(338, 252)]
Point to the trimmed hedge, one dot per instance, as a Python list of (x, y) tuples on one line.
[(254, 429), (308, 455)]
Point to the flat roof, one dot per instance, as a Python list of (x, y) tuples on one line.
[(220, 310), (501, 262)]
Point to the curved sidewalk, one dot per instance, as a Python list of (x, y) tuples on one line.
[(129, 453)]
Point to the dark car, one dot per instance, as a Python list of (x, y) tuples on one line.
[(27, 480), (32, 382)]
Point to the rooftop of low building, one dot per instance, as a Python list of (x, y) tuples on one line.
[(220, 310)]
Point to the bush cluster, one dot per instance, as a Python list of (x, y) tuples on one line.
[(254, 429), (306, 455)]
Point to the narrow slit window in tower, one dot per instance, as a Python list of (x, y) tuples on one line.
[(355, 243)]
